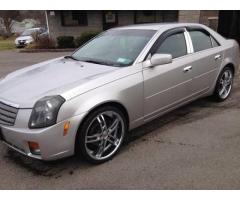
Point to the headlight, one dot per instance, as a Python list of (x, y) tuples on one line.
[(45, 112), (28, 41)]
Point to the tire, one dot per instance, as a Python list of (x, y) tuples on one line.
[(101, 135), (221, 94)]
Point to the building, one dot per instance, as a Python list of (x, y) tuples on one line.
[(229, 24), (74, 23)]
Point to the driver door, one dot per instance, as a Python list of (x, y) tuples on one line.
[(168, 85)]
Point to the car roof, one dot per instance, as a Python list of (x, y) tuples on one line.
[(34, 28), (159, 26)]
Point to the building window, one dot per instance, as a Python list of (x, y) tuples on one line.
[(150, 16), (110, 19), (147, 16), (74, 18)]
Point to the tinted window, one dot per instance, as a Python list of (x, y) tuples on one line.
[(214, 42), (41, 30), (28, 32), (174, 45), (200, 40)]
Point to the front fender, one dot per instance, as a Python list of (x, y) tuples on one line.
[(127, 91)]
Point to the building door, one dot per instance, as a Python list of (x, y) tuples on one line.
[(229, 24), (110, 19)]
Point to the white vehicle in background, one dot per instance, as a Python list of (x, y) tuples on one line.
[(26, 37)]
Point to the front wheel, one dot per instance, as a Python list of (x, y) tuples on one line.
[(224, 84), (101, 134)]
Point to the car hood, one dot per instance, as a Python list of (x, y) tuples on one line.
[(56, 77), (27, 37)]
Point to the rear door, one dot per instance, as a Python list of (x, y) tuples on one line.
[(206, 59)]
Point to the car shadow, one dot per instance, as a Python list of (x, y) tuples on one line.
[(194, 111)]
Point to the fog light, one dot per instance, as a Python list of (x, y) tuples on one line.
[(34, 148)]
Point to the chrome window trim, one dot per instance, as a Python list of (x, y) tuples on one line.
[(189, 41)]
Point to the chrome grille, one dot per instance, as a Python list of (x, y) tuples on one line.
[(8, 114)]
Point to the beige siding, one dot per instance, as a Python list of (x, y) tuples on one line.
[(125, 18), (190, 16), (209, 18)]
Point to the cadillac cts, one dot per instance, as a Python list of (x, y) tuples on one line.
[(87, 102)]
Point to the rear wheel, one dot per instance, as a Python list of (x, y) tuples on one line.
[(224, 84), (101, 134)]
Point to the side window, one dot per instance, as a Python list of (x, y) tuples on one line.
[(174, 45), (200, 40), (214, 42), (40, 31)]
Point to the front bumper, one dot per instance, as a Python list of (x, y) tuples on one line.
[(22, 43), (53, 144)]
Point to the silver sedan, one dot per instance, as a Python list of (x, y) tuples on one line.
[(86, 103)]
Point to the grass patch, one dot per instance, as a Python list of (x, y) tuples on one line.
[(7, 44)]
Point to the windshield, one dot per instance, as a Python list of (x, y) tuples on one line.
[(28, 32), (115, 47)]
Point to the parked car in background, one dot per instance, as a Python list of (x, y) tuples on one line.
[(125, 77), (27, 36)]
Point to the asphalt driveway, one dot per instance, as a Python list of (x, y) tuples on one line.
[(194, 147)]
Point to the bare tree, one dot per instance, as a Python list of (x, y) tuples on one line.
[(8, 17), (38, 15)]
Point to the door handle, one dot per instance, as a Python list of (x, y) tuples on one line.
[(187, 69), (217, 57)]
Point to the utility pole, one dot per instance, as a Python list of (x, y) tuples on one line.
[(47, 24)]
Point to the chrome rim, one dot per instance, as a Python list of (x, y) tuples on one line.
[(104, 135), (225, 84)]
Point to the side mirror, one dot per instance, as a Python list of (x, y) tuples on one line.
[(160, 59)]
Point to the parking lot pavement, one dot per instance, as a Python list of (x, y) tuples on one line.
[(194, 147), (12, 60)]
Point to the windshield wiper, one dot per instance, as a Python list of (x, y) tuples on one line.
[(94, 61), (98, 62), (71, 57)]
